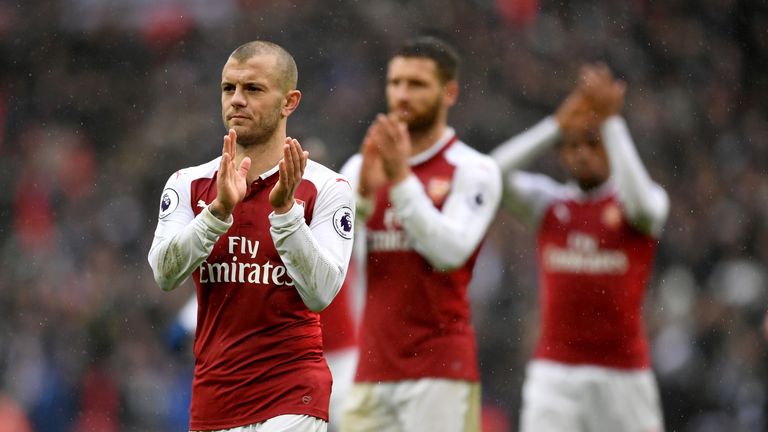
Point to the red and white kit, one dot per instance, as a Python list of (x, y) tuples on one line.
[(595, 255), (260, 278), (422, 241)]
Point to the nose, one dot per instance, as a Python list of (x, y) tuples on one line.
[(238, 98), (398, 92)]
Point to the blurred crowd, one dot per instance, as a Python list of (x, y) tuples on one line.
[(101, 100)]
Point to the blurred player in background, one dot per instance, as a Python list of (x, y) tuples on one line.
[(426, 199), (597, 237), (266, 235)]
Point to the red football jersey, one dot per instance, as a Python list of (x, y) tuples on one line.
[(261, 355), (594, 268), (337, 320), (258, 344), (416, 321)]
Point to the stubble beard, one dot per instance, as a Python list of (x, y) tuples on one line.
[(262, 131), (424, 121)]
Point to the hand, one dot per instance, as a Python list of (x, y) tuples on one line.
[(604, 93), (231, 182), (291, 172), (372, 175), (394, 146), (575, 114)]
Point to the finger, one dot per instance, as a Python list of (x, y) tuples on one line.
[(402, 130), (304, 161), (584, 72), (298, 153), (389, 130), (287, 162), (292, 161), (604, 72), (245, 165), (385, 122), (369, 144), (225, 145), (228, 143), (621, 87), (226, 160), (282, 176), (300, 157), (589, 76), (378, 135), (233, 142)]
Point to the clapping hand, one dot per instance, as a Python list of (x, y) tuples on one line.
[(291, 172), (394, 146), (231, 183)]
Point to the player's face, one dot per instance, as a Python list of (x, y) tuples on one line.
[(585, 159), (414, 91), (252, 98)]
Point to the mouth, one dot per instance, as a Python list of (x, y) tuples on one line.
[(403, 112)]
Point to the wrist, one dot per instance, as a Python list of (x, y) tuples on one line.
[(218, 210), (365, 192), (285, 208), (399, 175)]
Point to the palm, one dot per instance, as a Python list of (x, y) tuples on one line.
[(291, 172), (233, 186), (372, 175), (231, 183)]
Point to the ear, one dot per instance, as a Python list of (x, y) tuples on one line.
[(292, 99), (451, 93)]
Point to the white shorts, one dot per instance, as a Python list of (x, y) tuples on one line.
[(283, 423), (558, 397), (428, 404)]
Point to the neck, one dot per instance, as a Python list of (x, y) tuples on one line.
[(424, 139), (590, 185), (264, 156)]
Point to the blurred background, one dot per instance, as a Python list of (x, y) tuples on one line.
[(101, 100)]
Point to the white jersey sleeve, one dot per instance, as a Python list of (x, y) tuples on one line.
[(527, 195), (316, 256), (182, 241), (447, 237), (351, 170), (645, 202)]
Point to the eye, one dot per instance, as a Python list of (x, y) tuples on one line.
[(226, 88)]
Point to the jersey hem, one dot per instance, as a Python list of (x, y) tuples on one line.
[(245, 421)]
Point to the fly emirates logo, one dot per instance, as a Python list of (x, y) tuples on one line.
[(244, 272), (582, 255), (392, 239)]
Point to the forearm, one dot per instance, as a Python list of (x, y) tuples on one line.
[(447, 238), (317, 271), (521, 149), (173, 257), (364, 205), (645, 202)]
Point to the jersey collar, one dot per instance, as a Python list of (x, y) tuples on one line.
[(449, 136), (268, 173), (607, 188)]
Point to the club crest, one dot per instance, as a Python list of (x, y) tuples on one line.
[(611, 216), (438, 188)]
